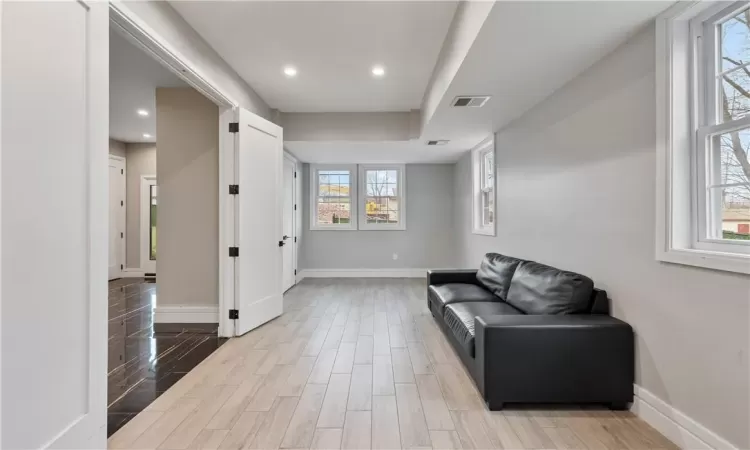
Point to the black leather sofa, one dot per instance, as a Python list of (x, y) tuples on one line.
[(531, 333)]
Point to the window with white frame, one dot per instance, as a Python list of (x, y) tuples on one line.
[(365, 197), (333, 197), (381, 197), (483, 182), (703, 113)]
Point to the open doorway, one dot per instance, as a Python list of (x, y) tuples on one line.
[(157, 330)]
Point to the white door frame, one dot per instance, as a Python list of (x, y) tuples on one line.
[(147, 266), (146, 38), (297, 213), (121, 218)]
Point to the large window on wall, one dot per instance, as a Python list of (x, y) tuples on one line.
[(152, 223), (483, 188), (364, 197), (381, 197), (333, 191), (703, 130)]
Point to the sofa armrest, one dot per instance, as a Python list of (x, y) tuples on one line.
[(556, 358), (445, 276)]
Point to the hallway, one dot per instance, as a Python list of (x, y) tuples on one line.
[(356, 363), (143, 364)]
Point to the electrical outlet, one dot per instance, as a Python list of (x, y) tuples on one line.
[(395, 256)]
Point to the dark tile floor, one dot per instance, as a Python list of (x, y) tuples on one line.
[(143, 364)]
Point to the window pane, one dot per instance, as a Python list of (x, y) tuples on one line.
[(735, 212), (334, 211), (735, 40), (334, 202), (381, 196), (488, 207), (734, 166), (334, 183), (152, 220), (735, 94), (488, 170)]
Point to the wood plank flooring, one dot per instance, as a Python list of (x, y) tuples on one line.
[(357, 364)]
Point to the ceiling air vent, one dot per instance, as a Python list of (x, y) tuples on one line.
[(476, 101), (438, 142)]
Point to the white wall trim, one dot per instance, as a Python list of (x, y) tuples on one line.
[(186, 314), (674, 424), (362, 273), (132, 273)]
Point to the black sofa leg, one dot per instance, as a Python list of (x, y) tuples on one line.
[(494, 406), (618, 406)]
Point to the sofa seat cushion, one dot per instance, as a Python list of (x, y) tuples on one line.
[(459, 318), (540, 289), (496, 272), (445, 294)]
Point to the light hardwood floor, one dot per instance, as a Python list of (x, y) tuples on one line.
[(357, 364)]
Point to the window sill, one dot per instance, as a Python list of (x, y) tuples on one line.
[(314, 228), (727, 262), (382, 228), (483, 231)]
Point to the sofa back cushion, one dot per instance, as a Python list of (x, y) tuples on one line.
[(496, 272), (540, 289)]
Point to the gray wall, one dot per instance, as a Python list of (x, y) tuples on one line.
[(187, 127), (117, 148), (576, 190), (426, 243), (140, 160)]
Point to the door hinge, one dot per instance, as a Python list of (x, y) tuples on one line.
[(234, 314), (295, 207), (122, 203), (122, 172), (122, 235), (234, 127), (234, 252), (295, 174), (295, 271), (121, 267), (295, 238), (234, 189)]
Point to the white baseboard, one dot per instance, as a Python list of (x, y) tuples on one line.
[(362, 273), (186, 314), (674, 424), (132, 273)]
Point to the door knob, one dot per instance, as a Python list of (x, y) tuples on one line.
[(285, 237)]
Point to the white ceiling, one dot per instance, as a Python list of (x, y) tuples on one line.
[(524, 52), (332, 44), (363, 152), (133, 79)]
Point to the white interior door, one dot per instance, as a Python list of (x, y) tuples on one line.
[(288, 250), (116, 216), (54, 224), (258, 269)]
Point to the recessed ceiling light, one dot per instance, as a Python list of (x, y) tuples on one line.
[(378, 71), (290, 71), (146, 135), (142, 112)]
